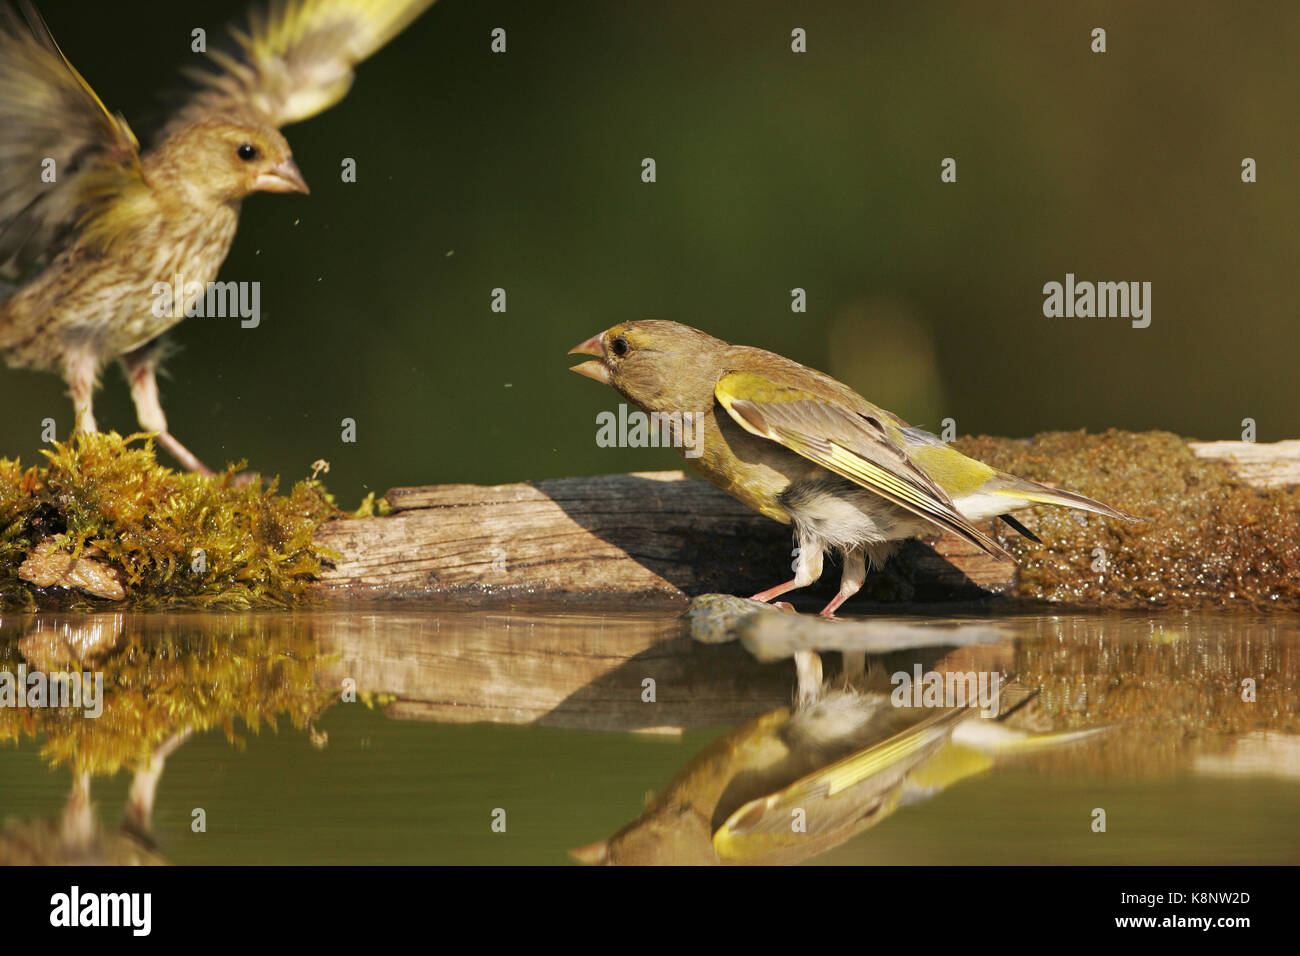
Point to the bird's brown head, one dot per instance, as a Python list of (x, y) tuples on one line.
[(225, 159), (662, 835), (662, 366)]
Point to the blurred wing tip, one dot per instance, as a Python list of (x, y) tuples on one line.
[(293, 60)]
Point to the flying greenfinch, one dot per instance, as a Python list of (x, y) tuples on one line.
[(808, 451), (85, 251)]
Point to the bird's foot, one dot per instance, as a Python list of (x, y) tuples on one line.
[(828, 612), (188, 460)]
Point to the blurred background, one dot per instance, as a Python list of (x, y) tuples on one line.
[(775, 170)]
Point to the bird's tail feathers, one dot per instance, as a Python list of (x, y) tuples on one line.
[(1013, 487), (996, 738)]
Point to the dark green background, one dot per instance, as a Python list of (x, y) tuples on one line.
[(775, 170)]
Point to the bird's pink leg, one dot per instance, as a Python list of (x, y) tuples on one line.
[(189, 461), (77, 828), (855, 572), (829, 610), (807, 569), (79, 371), (138, 818), (808, 673), (140, 372), (777, 591)]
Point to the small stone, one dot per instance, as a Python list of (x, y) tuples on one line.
[(48, 567), (712, 618)]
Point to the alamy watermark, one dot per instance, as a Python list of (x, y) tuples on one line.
[(222, 300), (36, 689), (1102, 300), (129, 910), (636, 429), (948, 689)]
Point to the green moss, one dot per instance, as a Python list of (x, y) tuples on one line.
[(1209, 539), (163, 674), (172, 537)]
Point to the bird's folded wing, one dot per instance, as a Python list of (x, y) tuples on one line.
[(856, 447), (295, 59), (49, 113), (850, 794)]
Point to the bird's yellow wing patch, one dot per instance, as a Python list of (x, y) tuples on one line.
[(828, 797), (892, 752), (959, 474), (854, 446)]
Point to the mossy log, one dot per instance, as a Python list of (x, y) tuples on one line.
[(1222, 527)]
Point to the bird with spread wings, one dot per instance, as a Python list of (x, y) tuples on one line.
[(90, 223)]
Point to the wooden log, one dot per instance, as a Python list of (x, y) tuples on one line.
[(646, 535), (547, 668), (1270, 465), (637, 535), (588, 671), (666, 537)]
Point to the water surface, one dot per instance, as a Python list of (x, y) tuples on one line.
[(435, 735)]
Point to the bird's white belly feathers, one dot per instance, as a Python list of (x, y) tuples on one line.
[(980, 507), (838, 515), (848, 518)]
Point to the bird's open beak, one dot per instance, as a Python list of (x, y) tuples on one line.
[(283, 177), (595, 369)]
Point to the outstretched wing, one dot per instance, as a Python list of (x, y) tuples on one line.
[(854, 446), (61, 150), (295, 59)]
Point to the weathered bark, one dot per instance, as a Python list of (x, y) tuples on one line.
[(640, 535), (1271, 465), (657, 535)]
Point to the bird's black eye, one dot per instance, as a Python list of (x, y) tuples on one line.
[(247, 152), (619, 346)]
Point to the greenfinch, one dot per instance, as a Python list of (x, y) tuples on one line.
[(88, 252), (806, 450), (840, 761)]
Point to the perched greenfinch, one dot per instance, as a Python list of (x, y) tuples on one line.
[(808, 451), (84, 248)]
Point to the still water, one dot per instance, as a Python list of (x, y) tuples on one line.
[(436, 735)]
